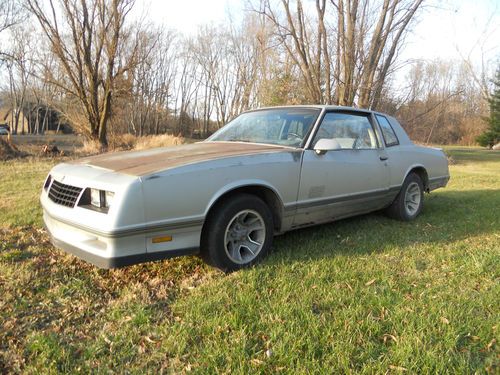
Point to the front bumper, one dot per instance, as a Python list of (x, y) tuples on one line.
[(117, 262), (105, 251)]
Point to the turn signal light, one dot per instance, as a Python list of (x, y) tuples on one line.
[(162, 239)]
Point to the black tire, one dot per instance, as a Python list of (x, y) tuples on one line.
[(221, 227), (399, 209)]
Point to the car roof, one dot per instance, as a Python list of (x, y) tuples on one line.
[(319, 106)]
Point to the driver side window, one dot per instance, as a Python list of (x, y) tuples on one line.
[(352, 132)]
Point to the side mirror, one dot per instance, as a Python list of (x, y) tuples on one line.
[(324, 145)]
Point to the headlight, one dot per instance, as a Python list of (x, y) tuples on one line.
[(108, 198), (96, 199)]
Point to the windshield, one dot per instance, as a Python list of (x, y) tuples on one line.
[(280, 126)]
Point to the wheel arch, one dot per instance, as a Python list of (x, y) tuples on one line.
[(265, 192), (421, 172)]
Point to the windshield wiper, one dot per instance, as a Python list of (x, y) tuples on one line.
[(240, 140)]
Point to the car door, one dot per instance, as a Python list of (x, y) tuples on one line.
[(347, 181)]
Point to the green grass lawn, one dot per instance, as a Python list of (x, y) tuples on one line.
[(367, 294)]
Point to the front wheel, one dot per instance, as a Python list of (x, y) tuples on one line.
[(238, 233), (409, 201)]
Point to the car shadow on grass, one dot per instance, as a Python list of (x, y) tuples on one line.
[(447, 217)]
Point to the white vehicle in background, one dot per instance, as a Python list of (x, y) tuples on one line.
[(267, 172)]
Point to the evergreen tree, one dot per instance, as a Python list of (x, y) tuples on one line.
[(492, 135)]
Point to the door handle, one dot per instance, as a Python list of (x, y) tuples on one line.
[(383, 158)]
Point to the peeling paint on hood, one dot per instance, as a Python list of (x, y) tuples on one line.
[(144, 162)]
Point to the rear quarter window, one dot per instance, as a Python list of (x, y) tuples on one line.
[(390, 137)]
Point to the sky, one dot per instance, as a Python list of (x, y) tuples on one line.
[(446, 29)]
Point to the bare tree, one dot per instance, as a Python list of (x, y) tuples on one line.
[(153, 81), (187, 86), (353, 64), (307, 47), (9, 14), (87, 37), (44, 97), (442, 104), (231, 66), (111, 77), (19, 61), (369, 35), (391, 26), (247, 49)]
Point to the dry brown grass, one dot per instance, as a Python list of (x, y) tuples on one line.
[(125, 142), (89, 147), (163, 140)]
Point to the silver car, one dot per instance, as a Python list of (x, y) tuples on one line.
[(267, 172)]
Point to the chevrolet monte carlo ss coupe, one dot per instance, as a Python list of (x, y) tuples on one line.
[(267, 172)]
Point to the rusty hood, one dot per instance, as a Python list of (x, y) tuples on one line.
[(144, 162)]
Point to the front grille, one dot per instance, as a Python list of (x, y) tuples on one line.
[(63, 194)]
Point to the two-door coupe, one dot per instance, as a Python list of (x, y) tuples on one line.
[(267, 172)]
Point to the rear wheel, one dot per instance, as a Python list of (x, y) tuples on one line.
[(239, 233), (409, 201)]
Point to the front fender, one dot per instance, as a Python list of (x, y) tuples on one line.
[(238, 185)]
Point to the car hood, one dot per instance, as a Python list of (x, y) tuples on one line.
[(140, 163)]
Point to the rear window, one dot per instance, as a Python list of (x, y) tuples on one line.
[(387, 131)]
